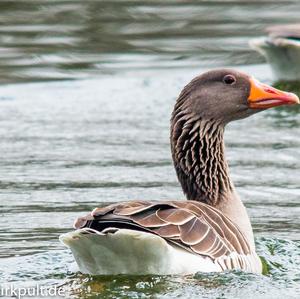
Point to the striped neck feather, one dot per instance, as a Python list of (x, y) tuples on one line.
[(199, 158)]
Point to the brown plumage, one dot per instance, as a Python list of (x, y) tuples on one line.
[(191, 225)]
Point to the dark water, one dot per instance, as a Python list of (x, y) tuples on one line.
[(70, 145)]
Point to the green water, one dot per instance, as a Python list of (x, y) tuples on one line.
[(85, 101)]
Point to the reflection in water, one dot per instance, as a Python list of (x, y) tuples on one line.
[(69, 146), (42, 40), (281, 278), (277, 256)]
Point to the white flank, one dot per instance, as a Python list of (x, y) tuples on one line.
[(132, 252)]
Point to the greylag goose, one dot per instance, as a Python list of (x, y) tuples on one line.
[(282, 50), (210, 231)]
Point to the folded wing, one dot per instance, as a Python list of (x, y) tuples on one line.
[(191, 225)]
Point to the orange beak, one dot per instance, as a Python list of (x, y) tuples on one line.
[(263, 96)]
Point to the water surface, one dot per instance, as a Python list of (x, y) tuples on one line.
[(70, 145)]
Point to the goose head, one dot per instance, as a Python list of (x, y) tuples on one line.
[(225, 95)]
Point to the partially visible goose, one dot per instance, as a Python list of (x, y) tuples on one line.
[(282, 50), (210, 231)]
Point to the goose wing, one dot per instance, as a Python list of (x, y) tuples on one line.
[(192, 225)]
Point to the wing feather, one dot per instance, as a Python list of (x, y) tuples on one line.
[(151, 220), (168, 231), (175, 216), (192, 225), (192, 232), (133, 207)]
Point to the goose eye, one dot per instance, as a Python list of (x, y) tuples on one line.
[(229, 79)]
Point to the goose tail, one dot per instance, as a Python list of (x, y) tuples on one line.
[(126, 251)]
